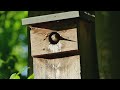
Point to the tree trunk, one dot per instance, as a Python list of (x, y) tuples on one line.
[(107, 37)]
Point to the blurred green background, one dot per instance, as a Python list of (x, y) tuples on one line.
[(13, 44)]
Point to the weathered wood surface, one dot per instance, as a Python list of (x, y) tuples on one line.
[(59, 68), (40, 43), (62, 68), (51, 17)]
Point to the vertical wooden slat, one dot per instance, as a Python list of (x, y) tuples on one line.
[(87, 46), (30, 61), (62, 68)]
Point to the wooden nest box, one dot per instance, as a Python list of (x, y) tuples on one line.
[(63, 45)]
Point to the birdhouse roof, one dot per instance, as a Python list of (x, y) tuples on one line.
[(53, 17)]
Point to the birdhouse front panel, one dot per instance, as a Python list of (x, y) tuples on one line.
[(41, 44), (59, 68)]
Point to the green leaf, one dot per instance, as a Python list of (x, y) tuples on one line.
[(31, 76), (15, 76)]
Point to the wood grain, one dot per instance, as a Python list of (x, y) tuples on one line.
[(40, 46), (50, 17), (57, 68), (62, 68)]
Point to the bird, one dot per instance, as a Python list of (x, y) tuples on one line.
[(55, 37)]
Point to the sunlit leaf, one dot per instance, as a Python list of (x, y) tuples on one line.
[(20, 65), (14, 76), (25, 13), (31, 76), (20, 15), (17, 25)]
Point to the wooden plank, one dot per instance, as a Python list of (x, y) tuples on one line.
[(51, 17), (39, 68), (30, 61), (88, 52), (63, 68), (41, 46)]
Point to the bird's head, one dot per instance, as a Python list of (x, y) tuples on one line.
[(54, 38)]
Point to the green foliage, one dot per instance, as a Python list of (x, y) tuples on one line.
[(31, 76), (17, 75), (13, 43)]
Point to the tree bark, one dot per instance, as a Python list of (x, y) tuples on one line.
[(107, 38)]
